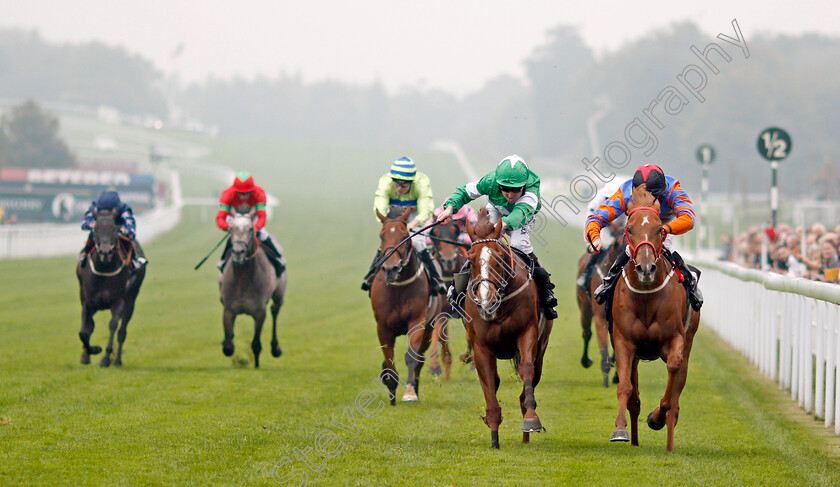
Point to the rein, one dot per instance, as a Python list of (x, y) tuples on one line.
[(406, 239), (499, 286), (124, 259)]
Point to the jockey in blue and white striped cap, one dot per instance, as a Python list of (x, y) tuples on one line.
[(403, 168)]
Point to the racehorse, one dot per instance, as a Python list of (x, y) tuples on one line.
[(651, 319), (107, 280), (452, 257), (246, 284), (399, 296), (504, 321), (590, 309)]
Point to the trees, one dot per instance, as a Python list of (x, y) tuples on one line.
[(29, 138)]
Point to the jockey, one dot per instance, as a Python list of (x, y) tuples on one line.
[(609, 233), (110, 200), (513, 191), (242, 197), (460, 220), (676, 213), (404, 187)]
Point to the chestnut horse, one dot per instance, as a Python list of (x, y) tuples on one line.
[(452, 257), (401, 304), (590, 309), (504, 321), (651, 320)]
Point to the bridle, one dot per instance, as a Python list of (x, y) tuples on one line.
[(634, 249), (404, 259), (501, 284), (247, 243)]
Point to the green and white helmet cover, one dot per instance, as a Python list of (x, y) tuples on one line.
[(512, 172)]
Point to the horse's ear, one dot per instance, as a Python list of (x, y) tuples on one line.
[(497, 230), (470, 230), (404, 216), (381, 217)]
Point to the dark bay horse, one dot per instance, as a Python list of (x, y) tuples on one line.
[(399, 296), (451, 257), (590, 309), (107, 280), (651, 320), (246, 284), (504, 321)]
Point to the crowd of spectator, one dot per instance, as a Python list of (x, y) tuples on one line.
[(818, 258)]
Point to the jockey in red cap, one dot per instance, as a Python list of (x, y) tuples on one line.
[(676, 213), (243, 196)]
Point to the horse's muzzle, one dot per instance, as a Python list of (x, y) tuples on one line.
[(646, 272)]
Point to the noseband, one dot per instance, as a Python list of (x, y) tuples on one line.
[(251, 237), (657, 252), (404, 259), (507, 275)]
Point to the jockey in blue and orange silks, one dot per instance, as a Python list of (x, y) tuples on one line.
[(676, 213)]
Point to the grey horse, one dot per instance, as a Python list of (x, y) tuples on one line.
[(246, 284)]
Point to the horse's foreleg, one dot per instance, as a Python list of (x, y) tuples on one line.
[(276, 303), (436, 344), (485, 364), (585, 304), (447, 354), (624, 357), (128, 312), (634, 404), (256, 343), (84, 335), (116, 313), (228, 318), (669, 409), (388, 375), (418, 338), (528, 351)]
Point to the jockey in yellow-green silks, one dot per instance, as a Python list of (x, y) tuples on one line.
[(402, 187)]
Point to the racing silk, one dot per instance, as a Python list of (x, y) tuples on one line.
[(676, 210), (125, 219), (515, 214), (229, 202), (419, 196)]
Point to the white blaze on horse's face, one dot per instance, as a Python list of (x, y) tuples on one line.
[(484, 287)]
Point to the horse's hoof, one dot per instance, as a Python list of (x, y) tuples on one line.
[(435, 371), (494, 439), (276, 351), (393, 401), (410, 395), (532, 425), (586, 362), (620, 435), (227, 350), (84, 360), (95, 350), (653, 424), (117, 363), (104, 363), (615, 378)]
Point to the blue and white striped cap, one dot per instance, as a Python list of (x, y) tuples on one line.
[(403, 168)]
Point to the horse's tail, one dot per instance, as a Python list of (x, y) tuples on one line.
[(517, 360)]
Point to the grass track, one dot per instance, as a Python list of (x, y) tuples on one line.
[(179, 412)]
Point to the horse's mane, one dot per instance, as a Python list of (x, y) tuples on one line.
[(643, 198), (483, 226)]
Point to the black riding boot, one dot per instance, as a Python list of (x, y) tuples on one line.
[(695, 297), (274, 256), (544, 288), (368, 279), (586, 275), (225, 256), (435, 282), (605, 290)]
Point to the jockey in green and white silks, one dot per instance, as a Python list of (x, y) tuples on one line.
[(403, 187), (513, 191)]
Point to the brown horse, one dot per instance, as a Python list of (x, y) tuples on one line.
[(402, 305), (651, 319), (503, 322), (107, 280), (452, 257), (246, 284), (590, 309)]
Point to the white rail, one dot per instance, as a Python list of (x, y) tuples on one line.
[(787, 327)]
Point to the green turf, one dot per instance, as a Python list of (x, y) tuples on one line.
[(180, 413)]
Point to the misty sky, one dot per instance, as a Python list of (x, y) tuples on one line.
[(455, 45)]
